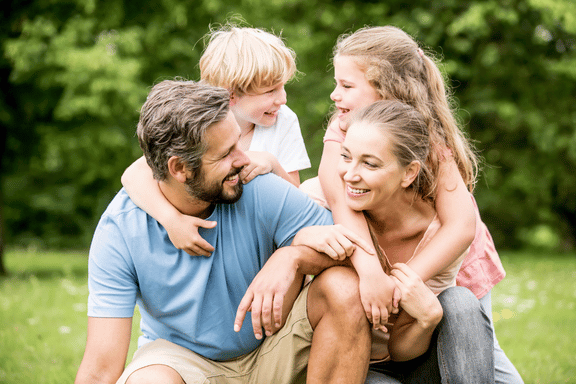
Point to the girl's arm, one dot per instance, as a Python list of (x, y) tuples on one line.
[(455, 210), (376, 288), (182, 229), (264, 162)]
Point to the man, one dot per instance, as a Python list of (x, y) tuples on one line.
[(191, 320)]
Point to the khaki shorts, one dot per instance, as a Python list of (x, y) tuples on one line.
[(281, 358)]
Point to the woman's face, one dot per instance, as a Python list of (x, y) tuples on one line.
[(352, 90), (370, 171)]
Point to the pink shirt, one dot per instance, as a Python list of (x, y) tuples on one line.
[(481, 269)]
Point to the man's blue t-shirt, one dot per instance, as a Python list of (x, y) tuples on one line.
[(192, 300)]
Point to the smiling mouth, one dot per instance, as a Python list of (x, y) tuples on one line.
[(357, 191)]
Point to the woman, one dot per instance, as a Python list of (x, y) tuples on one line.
[(432, 338)]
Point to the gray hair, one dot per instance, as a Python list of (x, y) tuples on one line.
[(174, 120)]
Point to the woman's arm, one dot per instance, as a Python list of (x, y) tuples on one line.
[(182, 229), (376, 288), (421, 312), (455, 211)]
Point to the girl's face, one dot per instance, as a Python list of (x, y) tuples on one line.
[(370, 171), (352, 90)]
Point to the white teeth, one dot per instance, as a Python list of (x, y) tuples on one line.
[(230, 178), (357, 191)]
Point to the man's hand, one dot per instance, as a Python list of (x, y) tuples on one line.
[(336, 241), (271, 294)]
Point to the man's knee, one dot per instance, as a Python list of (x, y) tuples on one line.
[(156, 373), (335, 291)]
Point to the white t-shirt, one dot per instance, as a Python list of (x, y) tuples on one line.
[(283, 140)]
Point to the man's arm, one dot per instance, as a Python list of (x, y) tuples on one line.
[(106, 350), (272, 292)]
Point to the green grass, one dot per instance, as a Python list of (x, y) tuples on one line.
[(43, 316)]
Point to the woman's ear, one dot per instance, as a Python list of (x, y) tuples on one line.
[(233, 97), (178, 169), (410, 173)]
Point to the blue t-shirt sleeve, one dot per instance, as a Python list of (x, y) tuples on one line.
[(112, 283), (284, 209)]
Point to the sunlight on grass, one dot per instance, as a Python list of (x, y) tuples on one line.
[(534, 311), (43, 316)]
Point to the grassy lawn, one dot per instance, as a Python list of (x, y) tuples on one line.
[(43, 316)]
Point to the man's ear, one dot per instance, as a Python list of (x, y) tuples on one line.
[(178, 169), (410, 173)]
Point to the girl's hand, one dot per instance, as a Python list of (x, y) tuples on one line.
[(336, 241), (417, 299), (260, 164), (183, 233), (376, 293)]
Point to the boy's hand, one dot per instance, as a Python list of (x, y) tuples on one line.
[(336, 241), (260, 164), (183, 233)]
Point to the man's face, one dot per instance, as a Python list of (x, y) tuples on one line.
[(217, 180)]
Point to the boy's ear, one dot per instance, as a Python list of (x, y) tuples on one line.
[(178, 170), (410, 173)]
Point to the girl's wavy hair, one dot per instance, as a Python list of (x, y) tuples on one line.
[(400, 70)]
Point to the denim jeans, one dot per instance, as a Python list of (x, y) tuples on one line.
[(506, 372), (461, 350)]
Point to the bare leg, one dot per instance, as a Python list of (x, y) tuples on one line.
[(156, 373), (340, 349)]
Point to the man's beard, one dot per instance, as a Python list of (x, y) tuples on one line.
[(213, 192)]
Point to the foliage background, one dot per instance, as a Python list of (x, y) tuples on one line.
[(74, 74)]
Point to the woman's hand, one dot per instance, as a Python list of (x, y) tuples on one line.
[(417, 299), (336, 241)]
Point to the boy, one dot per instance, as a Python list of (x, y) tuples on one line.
[(253, 65)]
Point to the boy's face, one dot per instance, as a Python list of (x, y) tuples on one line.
[(259, 108)]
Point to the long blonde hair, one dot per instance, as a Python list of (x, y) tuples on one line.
[(399, 69)]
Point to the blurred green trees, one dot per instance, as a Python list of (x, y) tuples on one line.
[(75, 73)]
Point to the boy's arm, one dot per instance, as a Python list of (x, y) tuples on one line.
[(376, 288), (457, 217), (144, 191), (106, 350), (264, 162)]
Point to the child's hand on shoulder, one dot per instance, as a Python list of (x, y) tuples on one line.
[(183, 233), (260, 164)]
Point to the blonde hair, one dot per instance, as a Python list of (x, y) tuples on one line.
[(399, 69), (245, 60)]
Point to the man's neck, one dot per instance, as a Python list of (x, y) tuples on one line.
[(176, 195)]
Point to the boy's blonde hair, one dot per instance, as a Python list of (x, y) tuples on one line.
[(399, 69), (244, 60)]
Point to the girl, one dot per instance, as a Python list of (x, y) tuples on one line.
[(386, 63)]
